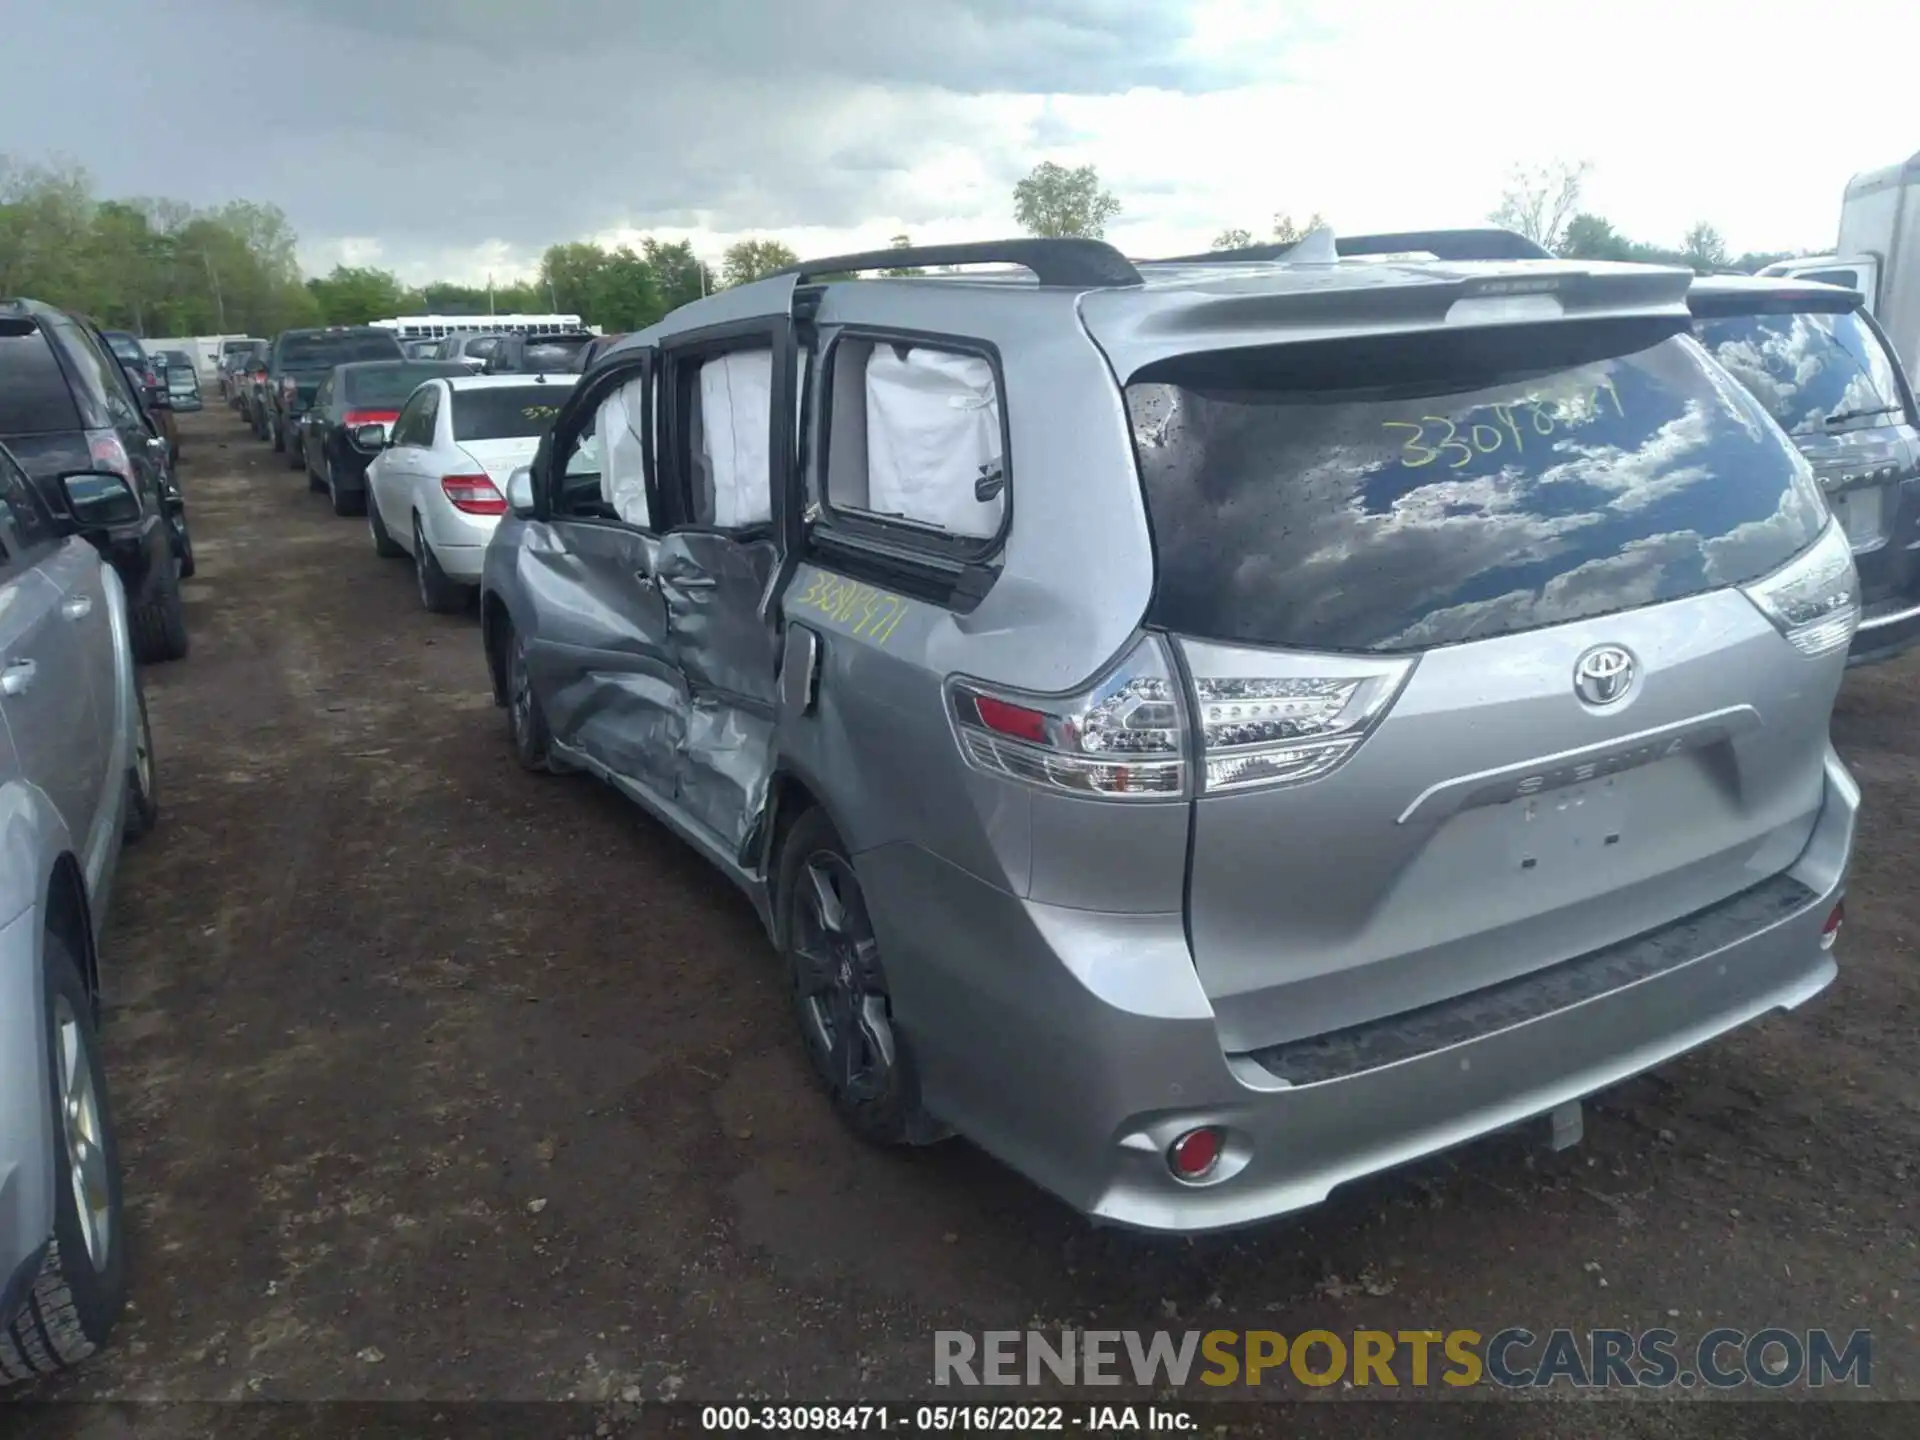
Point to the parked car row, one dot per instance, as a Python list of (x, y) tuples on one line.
[(88, 586)]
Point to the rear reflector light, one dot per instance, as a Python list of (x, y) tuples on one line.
[(1814, 599), (1830, 931), (473, 494), (109, 454), (1268, 717), (1121, 738), (372, 417), (1194, 1154)]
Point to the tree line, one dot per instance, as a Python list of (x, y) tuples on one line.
[(161, 267)]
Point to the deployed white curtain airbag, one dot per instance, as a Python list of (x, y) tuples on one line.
[(933, 432), (736, 412), (623, 473)]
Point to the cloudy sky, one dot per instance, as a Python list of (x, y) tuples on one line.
[(457, 137)]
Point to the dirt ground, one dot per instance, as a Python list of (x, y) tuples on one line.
[(440, 1080)]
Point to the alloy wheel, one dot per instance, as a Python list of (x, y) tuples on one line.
[(843, 1000), (84, 1135)]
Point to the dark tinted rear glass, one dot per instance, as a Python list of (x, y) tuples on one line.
[(389, 387), (1391, 519), (127, 348), (553, 355), (34, 395), (322, 352), (507, 412), (1813, 372)]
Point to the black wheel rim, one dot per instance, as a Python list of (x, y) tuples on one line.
[(520, 693), (837, 983)]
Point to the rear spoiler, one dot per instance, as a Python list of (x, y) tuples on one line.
[(1440, 244), (1643, 303)]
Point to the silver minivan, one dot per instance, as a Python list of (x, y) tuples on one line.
[(1206, 730)]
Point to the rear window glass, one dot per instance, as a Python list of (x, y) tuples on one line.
[(127, 348), (514, 412), (34, 395), (1394, 519), (176, 359), (1814, 372), (317, 352), (389, 386), (553, 354)]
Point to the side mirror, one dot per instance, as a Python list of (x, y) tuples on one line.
[(370, 437), (97, 499), (520, 492)]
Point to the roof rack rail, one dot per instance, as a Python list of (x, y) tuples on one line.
[(1441, 244), (1091, 264)]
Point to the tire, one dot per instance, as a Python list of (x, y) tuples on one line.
[(296, 451), (276, 436), (839, 990), (439, 594), (344, 502), (80, 1292), (384, 544), (143, 802), (526, 722), (257, 419), (160, 626), (316, 482), (183, 552)]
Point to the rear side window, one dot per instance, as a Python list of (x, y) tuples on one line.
[(318, 352), (34, 394), (516, 412), (1814, 372), (1422, 512), (552, 355)]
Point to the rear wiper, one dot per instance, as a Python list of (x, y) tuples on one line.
[(1840, 417)]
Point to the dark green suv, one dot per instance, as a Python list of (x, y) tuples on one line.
[(299, 361)]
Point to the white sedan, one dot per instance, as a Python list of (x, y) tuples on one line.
[(438, 486)]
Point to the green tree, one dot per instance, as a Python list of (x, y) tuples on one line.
[(356, 294), (1234, 239), (750, 260), (1703, 248), (679, 276), (1054, 201), (902, 272), (1285, 232), (1540, 201)]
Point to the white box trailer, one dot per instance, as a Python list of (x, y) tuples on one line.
[(205, 349), (1878, 253)]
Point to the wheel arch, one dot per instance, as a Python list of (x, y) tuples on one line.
[(69, 916), (496, 621)]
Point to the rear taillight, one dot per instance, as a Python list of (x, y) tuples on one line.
[(1122, 738), (371, 417), (1830, 931), (1271, 717), (473, 494), (1253, 718), (289, 388), (109, 454), (1814, 599)]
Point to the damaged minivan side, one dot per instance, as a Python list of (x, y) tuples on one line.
[(1205, 731)]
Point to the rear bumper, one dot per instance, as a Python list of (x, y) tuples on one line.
[(1886, 630), (1077, 1046)]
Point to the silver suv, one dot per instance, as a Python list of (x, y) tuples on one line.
[(76, 777), (1206, 730)]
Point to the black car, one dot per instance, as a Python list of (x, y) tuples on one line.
[(183, 380), (299, 361), (149, 381), (66, 406), (1820, 365), (368, 392), (537, 354)]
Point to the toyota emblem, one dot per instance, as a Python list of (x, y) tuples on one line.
[(1603, 675)]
